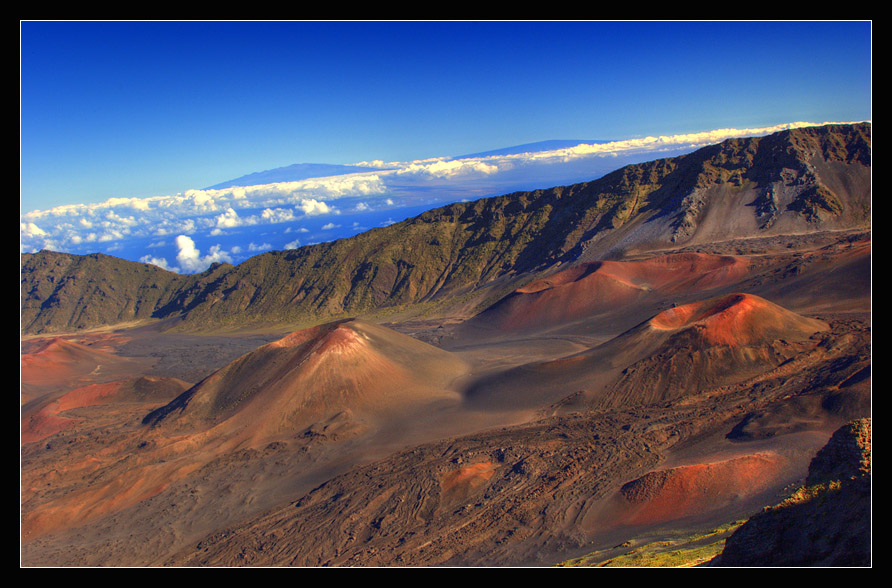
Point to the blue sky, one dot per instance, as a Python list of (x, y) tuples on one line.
[(145, 109)]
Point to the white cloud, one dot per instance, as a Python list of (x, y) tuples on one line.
[(341, 186), (118, 221), (213, 210), (135, 203), (110, 236), (114, 219), (31, 230), (329, 226), (378, 163), (313, 207), (450, 168), (228, 219), (277, 193), (293, 244), (277, 215), (159, 261), (190, 258)]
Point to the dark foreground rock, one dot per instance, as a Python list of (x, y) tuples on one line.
[(824, 523)]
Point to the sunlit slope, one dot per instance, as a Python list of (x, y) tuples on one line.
[(798, 181), (61, 292), (678, 352), (600, 287), (315, 387), (349, 367), (47, 419), (58, 364)]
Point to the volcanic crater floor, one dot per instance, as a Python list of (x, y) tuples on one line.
[(433, 475)]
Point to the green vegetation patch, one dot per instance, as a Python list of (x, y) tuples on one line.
[(681, 548)]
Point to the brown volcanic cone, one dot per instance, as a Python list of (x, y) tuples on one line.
[(593, 288), (335, 381), (351, 366), (57, 360), (679, 352), (736, 320), (58, 364)]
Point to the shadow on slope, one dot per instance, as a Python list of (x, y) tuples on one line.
[(311, 375), (311, 389), (589, 289), (678, 352)]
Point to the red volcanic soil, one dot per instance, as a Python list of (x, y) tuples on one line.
[(97, 477), (679, 352), (58, 360), (737, 319), (49, 420), (666, 495), (58, 364), (594, 288), (126, 488), (704, 346), (310, 375), (289, 389), (42, 424), (457, 485)]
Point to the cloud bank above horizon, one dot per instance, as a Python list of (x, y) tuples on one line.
[(226, 222)]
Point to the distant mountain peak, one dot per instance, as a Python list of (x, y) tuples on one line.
[(795, 182), (292, 173), (305, 171), (548, 145)]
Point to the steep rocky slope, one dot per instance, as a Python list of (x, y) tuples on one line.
[(826, 522), (798, 181), (62, 292)]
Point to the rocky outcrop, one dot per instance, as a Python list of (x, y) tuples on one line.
[(845, 457), (824, 523)]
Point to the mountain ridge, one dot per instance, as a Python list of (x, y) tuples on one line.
[(546, 145), (796, 181), (292, 173), (511, 381), (304, 171)]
